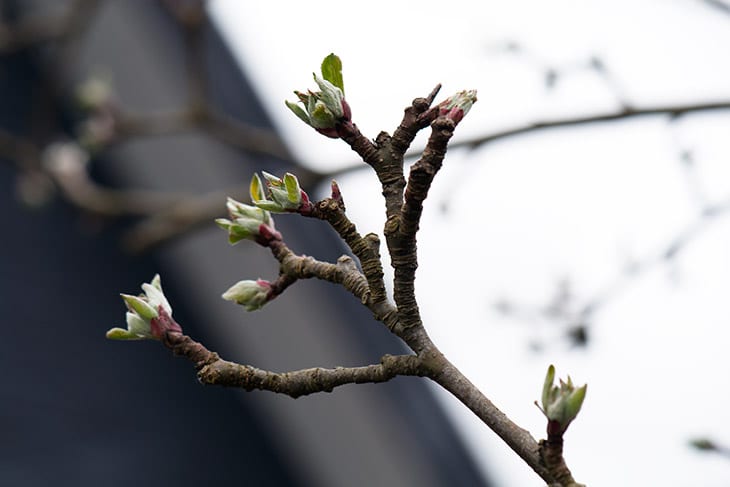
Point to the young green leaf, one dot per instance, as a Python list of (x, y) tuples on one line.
[(293, 191), (140, 306), (332, 71), (121, 334), (255, 189), (298, 111), (547, 388)]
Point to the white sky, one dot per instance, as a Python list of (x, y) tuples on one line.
[(532, 210)]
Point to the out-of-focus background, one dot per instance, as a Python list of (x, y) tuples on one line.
[(579, 220)]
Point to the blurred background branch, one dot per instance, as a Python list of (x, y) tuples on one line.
[(719, 5), (104, 123)]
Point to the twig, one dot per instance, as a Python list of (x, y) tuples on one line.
[(671, 111), (402, 242), (295, 267), (175, 219), (213, 370), (365, 249)]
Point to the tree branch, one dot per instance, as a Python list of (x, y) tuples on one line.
[(365, 249), (671, 111), (176, 218), (415, 118), (66, 164), (205, 118), (213, 370), (444, 373), (402, 240), (149, 317), (386, 155), (564, 308), (344, 272)]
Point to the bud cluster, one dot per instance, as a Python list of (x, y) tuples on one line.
[(561, 403), (149, 315), (252, 295), (457, 106), (324, 110), (248, 223), (279, 195)]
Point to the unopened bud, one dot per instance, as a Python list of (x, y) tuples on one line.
[(561, 403), (252, 295), (279, 195), (457, 106), (149, 315), (324, 110), (248, 223)]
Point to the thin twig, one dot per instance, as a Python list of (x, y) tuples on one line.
[(213, 370), (177, 218), (671, 111)]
